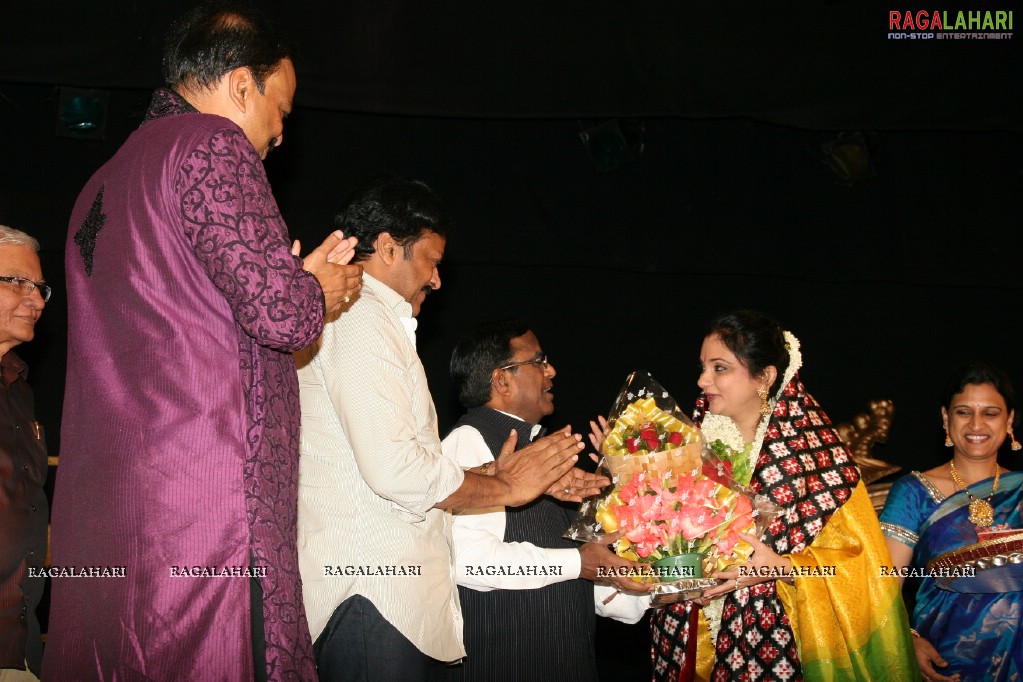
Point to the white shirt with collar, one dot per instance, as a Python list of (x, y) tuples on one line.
[(479, 533), (479, 541), (371, 471)]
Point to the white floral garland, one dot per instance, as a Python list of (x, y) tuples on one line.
[(712, 612), (795, 361), (722, 428), (719, 427)]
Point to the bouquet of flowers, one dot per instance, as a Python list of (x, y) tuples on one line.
[(646, 431), (667, 516), (645, 436), (670, 495)]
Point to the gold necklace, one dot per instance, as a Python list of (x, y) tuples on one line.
[(981, 512)]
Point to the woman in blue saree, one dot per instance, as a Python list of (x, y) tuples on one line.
[(962, 636)]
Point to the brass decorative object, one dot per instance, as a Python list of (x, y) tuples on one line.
[(865, 431)]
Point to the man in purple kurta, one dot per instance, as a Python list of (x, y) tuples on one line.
[(179, 461)]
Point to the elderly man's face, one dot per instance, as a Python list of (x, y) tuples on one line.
[(18, 312)]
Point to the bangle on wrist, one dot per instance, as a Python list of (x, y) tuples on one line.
[(914, 633)]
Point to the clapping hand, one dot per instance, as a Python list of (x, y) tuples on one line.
[(329, 263), (596, 434), (577, 484), (537, 467)]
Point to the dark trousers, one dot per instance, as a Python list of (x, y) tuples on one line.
[(258, 634), (358, 645)]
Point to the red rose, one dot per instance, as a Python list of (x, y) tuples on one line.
[(675, 437), (652, 444), (632, 444), (648, 432)]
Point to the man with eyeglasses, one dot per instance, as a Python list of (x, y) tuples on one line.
[(527, 593), (375, 544), (23, 507)]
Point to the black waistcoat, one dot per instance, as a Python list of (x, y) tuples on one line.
[(527, 635)]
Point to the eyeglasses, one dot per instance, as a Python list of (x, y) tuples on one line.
[(27, 286), (540, 362)]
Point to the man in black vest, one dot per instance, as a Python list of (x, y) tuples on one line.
[(527, 593)]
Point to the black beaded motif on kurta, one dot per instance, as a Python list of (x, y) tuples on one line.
[(85, 237)]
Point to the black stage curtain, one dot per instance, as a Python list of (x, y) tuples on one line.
[(821, 65), (890, 282)]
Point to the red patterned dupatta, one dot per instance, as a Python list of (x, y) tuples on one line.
[(805, 468)]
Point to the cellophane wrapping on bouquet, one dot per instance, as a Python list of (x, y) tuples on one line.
[(669, 494), (646, 432)]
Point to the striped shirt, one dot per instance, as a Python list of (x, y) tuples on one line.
[(371, 471)]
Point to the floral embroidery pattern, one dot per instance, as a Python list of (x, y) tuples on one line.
[(232, 220)]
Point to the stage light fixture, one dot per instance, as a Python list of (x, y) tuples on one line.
[(614, 143), (82, 113), (848, 157)]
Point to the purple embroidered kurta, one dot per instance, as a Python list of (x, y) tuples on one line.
[(180, 427)]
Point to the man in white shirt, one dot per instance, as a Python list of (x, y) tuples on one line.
[(526, 592), (374, 542)]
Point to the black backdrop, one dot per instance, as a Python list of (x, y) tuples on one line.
[(889, 283)]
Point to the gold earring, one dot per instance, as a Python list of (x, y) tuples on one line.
[(1016, 447), (948, 439), (765, 407)]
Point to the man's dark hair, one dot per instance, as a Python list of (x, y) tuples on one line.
[(213, 39), (405, 209), (478, 354)]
